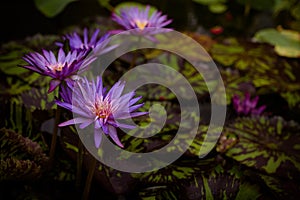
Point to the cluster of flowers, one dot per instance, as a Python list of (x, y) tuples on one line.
[(89, 99)]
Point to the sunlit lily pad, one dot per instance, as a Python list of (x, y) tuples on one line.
[(286, 42)]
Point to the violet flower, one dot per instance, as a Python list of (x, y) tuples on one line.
[(63, 67), (95, 42), (94, 106), (140, 20), (246, 106)]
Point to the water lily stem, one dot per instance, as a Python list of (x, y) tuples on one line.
[(79, 164), (135, 54), (89, 179), (54, 135)]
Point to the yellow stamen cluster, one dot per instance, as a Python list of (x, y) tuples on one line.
[(141, 24), (57, 67), (102, 109)]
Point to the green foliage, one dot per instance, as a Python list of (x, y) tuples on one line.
[(267, 145), (257, 65), (173, 78), (51, 8)]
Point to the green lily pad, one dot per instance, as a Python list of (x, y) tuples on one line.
[(135, 4), (286, 42), (51, 8)]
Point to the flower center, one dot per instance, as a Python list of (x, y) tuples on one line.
[(102, 109), (57, 67), (141, 24)]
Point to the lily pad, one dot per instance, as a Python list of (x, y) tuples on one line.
[(51, 8), (135, 4), (286, 42)]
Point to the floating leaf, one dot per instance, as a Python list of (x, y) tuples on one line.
[(286, 42), (268, 145), (51, 8), (135, 4)]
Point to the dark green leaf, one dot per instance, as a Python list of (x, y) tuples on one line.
[(268, 145), (51, 8)]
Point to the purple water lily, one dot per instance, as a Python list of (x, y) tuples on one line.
[(95, 42), (64, 67), (140, 20), (94, 106), (247, 106)]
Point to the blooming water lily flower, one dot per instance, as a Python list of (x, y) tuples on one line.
[(63, 67), (140, 20), (95, 42), (94, 106)]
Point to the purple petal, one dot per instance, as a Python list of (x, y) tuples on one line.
[(114, 136), (86, 123), (137, 114), (134, 100), (98, 137), (104, 128), (65, 105), (61, 56), (127, 126), (135, 107), (77, 120), (54, 83)]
